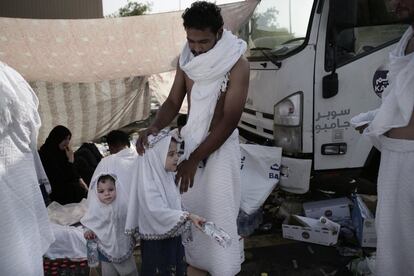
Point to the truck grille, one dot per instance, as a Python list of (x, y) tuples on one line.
[(258, 123)]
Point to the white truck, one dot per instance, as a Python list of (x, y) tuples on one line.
[(314, 64)]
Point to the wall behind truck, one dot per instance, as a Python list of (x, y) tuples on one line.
[(52, 9)]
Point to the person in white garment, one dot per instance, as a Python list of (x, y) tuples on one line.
[(104, 222), (214, 75), (25, 232), (121, 160), (391, 128)]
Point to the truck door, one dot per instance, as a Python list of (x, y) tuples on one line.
[(281, 50), (353, 51)]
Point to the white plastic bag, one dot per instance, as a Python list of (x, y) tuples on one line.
[(260, 172)]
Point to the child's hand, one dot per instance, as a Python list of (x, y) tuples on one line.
[(89, 235), (197, 221)]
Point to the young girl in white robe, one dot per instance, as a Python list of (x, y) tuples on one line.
[(155, 213), (105, 222)]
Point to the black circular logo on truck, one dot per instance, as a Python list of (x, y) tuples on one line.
[(328, 213), (305, 235), (380, 80)]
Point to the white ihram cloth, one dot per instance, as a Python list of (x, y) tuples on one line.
[(208, 71), (25, 233), (121, 164), (107, 221), (216, 191), (398, 98), (394, 217), (154, 211)]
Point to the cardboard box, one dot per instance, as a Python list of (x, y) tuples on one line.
[(311, 230), (363, 220), (336, 209)]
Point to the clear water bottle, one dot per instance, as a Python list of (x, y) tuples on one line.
[(92, 253), (217, 233)]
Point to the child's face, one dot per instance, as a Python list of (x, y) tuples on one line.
[(172, 158), (106, 191)]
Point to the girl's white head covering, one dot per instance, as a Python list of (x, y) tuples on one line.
[(107, 221), (154, 210)]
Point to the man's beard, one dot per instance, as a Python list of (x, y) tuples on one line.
[(197, 54)]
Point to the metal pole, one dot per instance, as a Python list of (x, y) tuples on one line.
[(290, 16)]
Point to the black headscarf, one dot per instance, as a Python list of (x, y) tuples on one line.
[(56, 136), (62, 174)]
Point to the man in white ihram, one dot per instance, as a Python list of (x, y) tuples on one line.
[(214, 75), (121, 161), (391, 128), (25, 234)]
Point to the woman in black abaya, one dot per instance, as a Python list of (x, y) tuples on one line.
[(57, 159)]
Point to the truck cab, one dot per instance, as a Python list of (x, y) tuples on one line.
[(314, 64)]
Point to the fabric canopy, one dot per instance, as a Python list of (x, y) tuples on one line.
[(91, 50), (91, 110)]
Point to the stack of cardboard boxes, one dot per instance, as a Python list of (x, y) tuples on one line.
[(323, 218)]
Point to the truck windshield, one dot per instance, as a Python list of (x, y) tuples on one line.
[(277, 27)]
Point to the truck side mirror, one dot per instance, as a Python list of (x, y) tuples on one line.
[(344, 13), (330, 85)]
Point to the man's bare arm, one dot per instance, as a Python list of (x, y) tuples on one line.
[(234, 102), (172, 104), (168, 110)]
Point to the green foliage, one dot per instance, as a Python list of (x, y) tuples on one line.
[(267, 18), (132, 9)]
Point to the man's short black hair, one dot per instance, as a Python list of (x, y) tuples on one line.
[(202, 15), (118, 138)]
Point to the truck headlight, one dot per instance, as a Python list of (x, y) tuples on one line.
[(287, 124)]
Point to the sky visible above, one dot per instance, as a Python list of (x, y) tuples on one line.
[(157, 6)]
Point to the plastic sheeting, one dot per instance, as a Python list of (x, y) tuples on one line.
[(91, 50)]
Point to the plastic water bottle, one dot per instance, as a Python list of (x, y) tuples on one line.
[(217, 233), (92, 253)]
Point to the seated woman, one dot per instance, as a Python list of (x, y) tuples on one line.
[(57, 159)]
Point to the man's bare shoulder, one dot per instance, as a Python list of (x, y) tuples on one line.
[(242, 66), (240, 71)]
